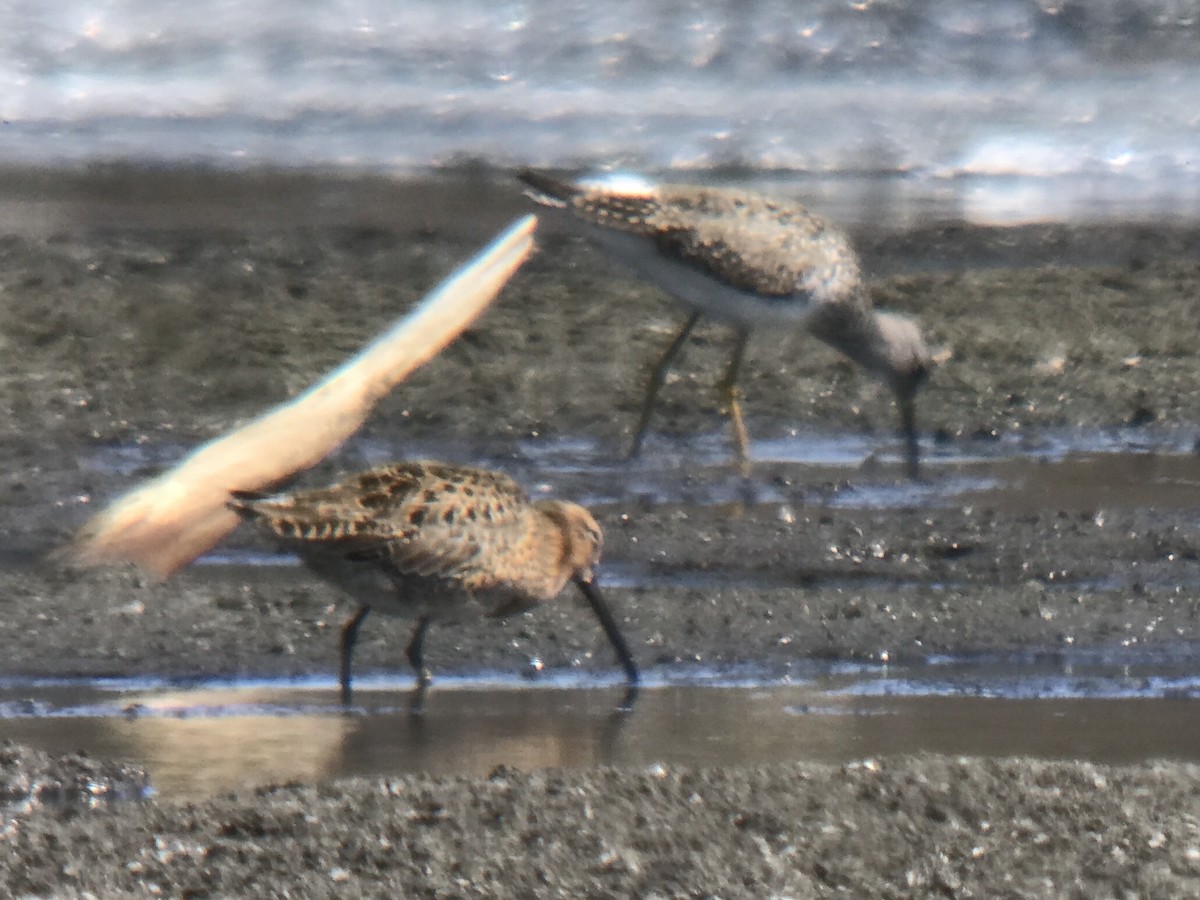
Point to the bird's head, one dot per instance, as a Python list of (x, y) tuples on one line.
[(582, 538)]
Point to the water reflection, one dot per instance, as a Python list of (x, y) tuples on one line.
[(199, 742)]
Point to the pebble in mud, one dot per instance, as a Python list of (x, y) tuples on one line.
[(30, 778)]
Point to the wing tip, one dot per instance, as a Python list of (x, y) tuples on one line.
[(245, 503), (543, 188)]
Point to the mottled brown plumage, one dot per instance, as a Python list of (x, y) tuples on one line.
[(437, 541), (748, 241), (749, 261)]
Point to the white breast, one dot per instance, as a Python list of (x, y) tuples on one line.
[(696, 288)]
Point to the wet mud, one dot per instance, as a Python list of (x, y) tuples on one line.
[(893, 828), (135, 325)]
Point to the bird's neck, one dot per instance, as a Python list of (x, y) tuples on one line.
[(856, 332)]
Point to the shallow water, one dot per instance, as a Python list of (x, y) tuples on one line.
[(200, 740), (1105, 706), (1070, 470), (1074, 472)]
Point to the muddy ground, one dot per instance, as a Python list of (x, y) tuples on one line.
[(142, 314)]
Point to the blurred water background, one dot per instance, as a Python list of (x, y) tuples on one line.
[(994, 111)]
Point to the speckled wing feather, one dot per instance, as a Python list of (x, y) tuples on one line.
[(441, 520), (419, 518), (309, 517), (750, 242), (746, 240)]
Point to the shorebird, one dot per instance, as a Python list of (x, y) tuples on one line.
[(748, 261), (437, 541)]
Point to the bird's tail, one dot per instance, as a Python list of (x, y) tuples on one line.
[(546, 189), (245, 503)]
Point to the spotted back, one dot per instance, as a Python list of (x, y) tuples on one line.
[(449, 521), (746, 240), (425, 519)]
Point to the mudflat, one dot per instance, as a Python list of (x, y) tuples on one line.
[(144, 313)]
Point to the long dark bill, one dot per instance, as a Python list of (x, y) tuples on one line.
[(908, 425), (609, 624)]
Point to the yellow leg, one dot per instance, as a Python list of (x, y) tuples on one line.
[(731, 395)]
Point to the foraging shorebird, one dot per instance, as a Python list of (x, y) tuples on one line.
[(437, 541), (748, 261)]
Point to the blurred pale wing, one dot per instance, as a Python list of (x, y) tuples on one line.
[(169, 521)]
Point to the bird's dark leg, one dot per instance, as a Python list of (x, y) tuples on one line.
[(609, 624), (416, 656), (657, 377), (416, 652), (732, 395), (349, 639), (908, 426)]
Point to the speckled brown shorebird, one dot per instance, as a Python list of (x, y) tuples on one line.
[(748, 261), (437, 541)]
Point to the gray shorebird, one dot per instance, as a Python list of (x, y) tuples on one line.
[(747, 261), (437, 542)]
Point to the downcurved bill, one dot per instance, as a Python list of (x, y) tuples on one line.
[(167, 522)]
